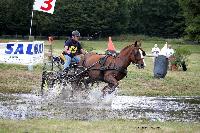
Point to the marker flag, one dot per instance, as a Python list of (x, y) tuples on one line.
[(44, 5)]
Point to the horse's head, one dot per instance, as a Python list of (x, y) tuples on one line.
[(137, 55)]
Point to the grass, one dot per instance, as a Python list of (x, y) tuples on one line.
[(105, 126), (15, 78)]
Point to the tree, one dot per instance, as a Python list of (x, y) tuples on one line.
[(191, 10), (4, 13), (89, 17), (15, 16), (160, 18)]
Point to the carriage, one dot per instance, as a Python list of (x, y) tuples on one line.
[(93, 68), (56, 76)]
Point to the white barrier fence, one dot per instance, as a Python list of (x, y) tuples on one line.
[(25, 53)]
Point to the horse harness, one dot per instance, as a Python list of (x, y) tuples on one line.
[(104, 68)]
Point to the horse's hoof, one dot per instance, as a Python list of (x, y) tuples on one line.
[(103, 95), (111, 91)]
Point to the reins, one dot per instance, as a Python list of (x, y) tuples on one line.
[(86, 69)]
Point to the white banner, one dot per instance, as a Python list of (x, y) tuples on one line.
[(24, 53), (44, 5)]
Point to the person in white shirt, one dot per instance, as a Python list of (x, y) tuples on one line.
[(155, 51), (163, 51), (170, 51)]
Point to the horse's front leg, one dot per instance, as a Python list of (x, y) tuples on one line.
[(112, 84)]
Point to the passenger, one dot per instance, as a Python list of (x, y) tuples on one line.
[(111, 48)]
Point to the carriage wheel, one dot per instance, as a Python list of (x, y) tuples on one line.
[(80, 78), (49, 80), (46, 83), (43, 82), (83, 84)]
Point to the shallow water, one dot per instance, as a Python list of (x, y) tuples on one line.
[(27, 106)]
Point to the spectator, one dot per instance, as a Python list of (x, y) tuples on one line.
[(169, 55), (155, 51), (170, 51), (164, 50)]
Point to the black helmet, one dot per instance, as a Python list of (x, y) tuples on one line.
[(76, 33)]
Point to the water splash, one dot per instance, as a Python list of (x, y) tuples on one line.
[(56, 104)]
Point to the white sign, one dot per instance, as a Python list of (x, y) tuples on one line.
[(22, 52), (44, 5)]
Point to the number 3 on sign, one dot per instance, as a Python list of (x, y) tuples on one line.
[(44, 5), (49, 5)]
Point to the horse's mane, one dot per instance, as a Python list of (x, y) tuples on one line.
[(126, 48)]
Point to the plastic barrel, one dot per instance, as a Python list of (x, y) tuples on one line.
[(160, 66)]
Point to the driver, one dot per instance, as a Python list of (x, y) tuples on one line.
[(72, 48)]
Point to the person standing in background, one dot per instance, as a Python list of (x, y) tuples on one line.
[(155, 51), (170, 51), (170, 56), (163, 51)]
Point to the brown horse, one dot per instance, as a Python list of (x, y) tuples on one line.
[(111, 69)]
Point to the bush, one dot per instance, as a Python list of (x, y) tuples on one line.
[(181, 57)]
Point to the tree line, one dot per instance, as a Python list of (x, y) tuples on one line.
[(161, 18)]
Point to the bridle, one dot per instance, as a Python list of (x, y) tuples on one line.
[(136, 54)]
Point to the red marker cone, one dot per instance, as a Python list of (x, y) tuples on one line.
[(111, 46)]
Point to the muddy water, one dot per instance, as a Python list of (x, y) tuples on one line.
[(27, 106)]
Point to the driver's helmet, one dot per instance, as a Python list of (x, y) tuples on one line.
[(76, 33)]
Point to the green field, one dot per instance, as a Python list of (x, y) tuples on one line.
[(15, 78), (106, 126)]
